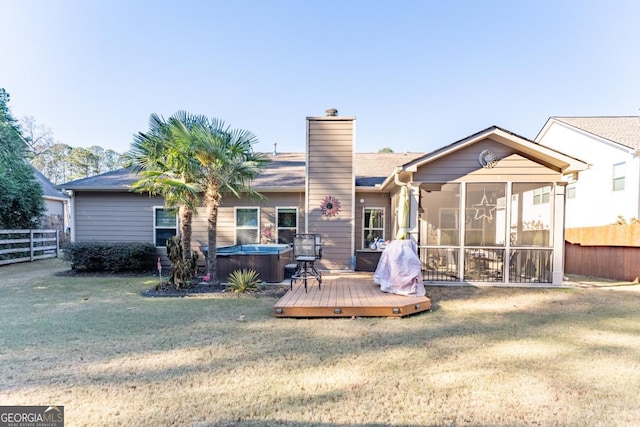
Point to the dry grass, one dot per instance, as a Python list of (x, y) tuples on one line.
[(484, 356), (580, 281)]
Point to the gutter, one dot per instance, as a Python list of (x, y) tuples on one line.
[(396, 177)]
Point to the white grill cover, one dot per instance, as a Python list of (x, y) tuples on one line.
[(399, 270)]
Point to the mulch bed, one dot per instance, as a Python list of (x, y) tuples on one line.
[(203, 288)]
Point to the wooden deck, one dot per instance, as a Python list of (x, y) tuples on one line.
[(346, 295)]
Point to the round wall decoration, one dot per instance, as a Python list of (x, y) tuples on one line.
[(330, 206), (487, 159)]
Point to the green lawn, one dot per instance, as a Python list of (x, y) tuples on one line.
[(484, 356)]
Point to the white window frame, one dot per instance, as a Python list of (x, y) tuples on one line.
[(278, 227), (571, 191), (618, 176), (542, 194), (364, 227), (235, 223), (156, 227)]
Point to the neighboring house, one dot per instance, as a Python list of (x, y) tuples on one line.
[(509, 190), (56, 205), (610, 187)]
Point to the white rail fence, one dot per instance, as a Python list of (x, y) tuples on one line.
[(27, 245)]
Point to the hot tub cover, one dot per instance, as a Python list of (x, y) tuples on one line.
[(399, 270)]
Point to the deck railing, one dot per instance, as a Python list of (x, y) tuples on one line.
[(486, 264)]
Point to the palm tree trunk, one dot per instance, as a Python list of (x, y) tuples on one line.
[(186, 217), (212, 200), (212, 263)]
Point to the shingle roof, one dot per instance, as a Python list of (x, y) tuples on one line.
[(119, 179), (285, 170), (624, 130), (48, 189), (374, 168)]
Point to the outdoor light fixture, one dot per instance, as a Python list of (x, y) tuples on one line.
[(417, 306), (337, 310), (278, 311), (362, 201), (396, 310)]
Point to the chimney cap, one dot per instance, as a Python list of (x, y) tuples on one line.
[(331, 112)]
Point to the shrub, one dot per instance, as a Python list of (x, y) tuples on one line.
[(242, 281), (622, 221), (110, 256)]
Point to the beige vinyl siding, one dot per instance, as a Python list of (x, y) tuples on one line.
[(226, 216), (330, 173), (114, 217), (463, 165)]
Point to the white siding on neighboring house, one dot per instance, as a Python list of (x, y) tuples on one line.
[(594, 201)]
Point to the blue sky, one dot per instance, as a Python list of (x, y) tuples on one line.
[(417, 75)]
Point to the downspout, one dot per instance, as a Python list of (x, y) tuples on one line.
[(72, 214), (637, 157)]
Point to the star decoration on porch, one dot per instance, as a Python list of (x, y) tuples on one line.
[(484, 209)]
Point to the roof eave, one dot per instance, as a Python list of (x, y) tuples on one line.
[(57, 198), (98, 188), (298, 189), (369, 189)]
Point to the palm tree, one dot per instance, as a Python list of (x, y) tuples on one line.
[(228, 165), (190, 157), (163, 158)]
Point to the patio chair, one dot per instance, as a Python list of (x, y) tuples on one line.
[(307, 248)]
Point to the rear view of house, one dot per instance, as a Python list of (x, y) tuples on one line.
[(488, 208)]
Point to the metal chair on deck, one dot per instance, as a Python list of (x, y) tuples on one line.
[(307, 248)]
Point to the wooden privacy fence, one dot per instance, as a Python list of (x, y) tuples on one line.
[(27, 245), (607, 262), (609, 252), (606, 235)]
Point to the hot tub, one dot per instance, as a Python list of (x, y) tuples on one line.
[(267, 260)]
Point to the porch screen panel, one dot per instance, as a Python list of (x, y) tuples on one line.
[(440, 264), (440, 231), (483, 265), (439, 216), (530, 265), (485, 214), (531, 214)]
